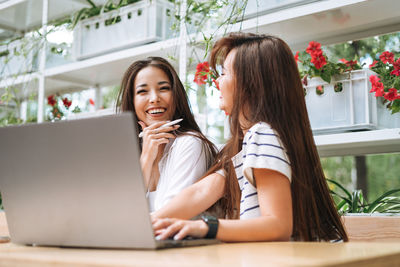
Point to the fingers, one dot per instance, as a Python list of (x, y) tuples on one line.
[(179, 229), (184, 231), (162, 223), (172, 230), (156, 129), (152, 126)]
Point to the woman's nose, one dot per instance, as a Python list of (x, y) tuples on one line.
[(154, 97)]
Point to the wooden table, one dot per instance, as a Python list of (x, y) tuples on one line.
[(238, 254)]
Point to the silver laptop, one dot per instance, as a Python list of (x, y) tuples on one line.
[(77, 184)]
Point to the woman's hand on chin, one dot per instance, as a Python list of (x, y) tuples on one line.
[(179, 229), (153, 137)]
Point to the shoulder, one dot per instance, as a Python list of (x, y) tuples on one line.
[(260, 129), (186, 141)]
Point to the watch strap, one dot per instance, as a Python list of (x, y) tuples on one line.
[(212, 224)]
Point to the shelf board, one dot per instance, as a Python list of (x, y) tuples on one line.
[(24, 15), (358, 143), (108, 69), (328, 21)]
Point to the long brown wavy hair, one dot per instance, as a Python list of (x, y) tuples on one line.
[(268, 89), (188, 126)]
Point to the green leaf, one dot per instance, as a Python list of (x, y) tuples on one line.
[(341, 187), (381, 198)]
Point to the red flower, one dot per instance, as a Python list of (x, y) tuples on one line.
[(313, 47), (378, 89), (51, 101), (202, 72), (318, 59), (350, 63), (387, 57), (392, 94), (67, 103), (296, 57), (91, 101), (395, 72), (374, 79), (320, 88), (396, 66), (373, 64), (216, 83), (377, 86)]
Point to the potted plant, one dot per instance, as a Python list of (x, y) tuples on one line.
[(337, 94), (386, 87), (377, 220), (110, 27)]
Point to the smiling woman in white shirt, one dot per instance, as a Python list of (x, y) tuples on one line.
[(172, 157)]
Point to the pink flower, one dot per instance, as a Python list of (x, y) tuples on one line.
[(387, 57), (313, 47), (91, 101), (391, 94), (318, 59)]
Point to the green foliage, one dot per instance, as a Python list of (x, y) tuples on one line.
[(383, 173), (339, 169), (369, 47), (354, 202), (94, 10), (308, 69), (110, 96)]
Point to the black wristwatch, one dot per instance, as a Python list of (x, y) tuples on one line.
[(212, 223)]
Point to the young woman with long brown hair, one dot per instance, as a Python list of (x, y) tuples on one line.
[(269, 174), (172, 158)]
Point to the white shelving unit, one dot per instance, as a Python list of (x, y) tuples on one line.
[(327, 21)]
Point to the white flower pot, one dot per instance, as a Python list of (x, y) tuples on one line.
[(354, 108), (143, 22)]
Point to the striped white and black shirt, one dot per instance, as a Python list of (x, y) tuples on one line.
[(262, 149)]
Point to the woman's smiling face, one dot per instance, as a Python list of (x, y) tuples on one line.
[(153, 99)]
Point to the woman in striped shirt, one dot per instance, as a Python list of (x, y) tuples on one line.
[(268, 175)]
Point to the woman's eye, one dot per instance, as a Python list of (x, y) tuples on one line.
[(165, 88), (141, 91)]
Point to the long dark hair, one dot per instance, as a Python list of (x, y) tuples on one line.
[(268, 88), (188, 125)]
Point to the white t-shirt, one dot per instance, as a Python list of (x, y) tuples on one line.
[(182, 164), (261, 149)]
